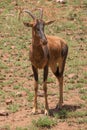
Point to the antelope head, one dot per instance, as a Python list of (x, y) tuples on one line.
[(38, 26)]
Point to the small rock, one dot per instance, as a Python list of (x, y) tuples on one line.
[(12, 47), (24, 93), (61, 1), (3, 113), (72, 75), (20, 94), (8, 101)]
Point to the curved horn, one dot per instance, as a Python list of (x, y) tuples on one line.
[(41, 12), (27, 11)]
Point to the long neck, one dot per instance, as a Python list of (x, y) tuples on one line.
[(38, 49), (36, 46)]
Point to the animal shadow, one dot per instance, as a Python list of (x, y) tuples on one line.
[(63, 112)]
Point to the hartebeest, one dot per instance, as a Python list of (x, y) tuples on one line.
[(46, 51)]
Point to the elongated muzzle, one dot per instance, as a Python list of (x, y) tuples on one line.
[(44, 41), (43, 38)]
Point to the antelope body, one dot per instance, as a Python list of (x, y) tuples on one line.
[(46, 51)]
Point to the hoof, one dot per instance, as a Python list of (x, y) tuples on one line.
[(46, 112), (34, 111), (59, 106)]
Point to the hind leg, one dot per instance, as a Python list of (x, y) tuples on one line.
[(60, 79), (58, 72), (59, 76)]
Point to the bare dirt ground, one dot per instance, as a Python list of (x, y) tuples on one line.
[(16, 77)]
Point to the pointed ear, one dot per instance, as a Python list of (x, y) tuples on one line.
[(28, 24), (49, 22)]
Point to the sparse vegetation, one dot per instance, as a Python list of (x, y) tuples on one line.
[(30, 96), (13, 108), (5, 127), (15, 69), (44, 122), (62, 114)]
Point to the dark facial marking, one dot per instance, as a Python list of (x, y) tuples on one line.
[(40, 28), (40, 31)]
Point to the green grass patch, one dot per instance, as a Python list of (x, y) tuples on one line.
[(16, 87), (5, 127), (50, 80), (83, 91), (2, 95), (2, 92), (4, 83), (77, 114), (13, 108), (79, 85), (44, 122), (62, 114), (82, 120), (82, 80), (84, 97), (30, 96), (3, 65)]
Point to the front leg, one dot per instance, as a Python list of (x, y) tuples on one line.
[(45, 89), (35, 71)]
